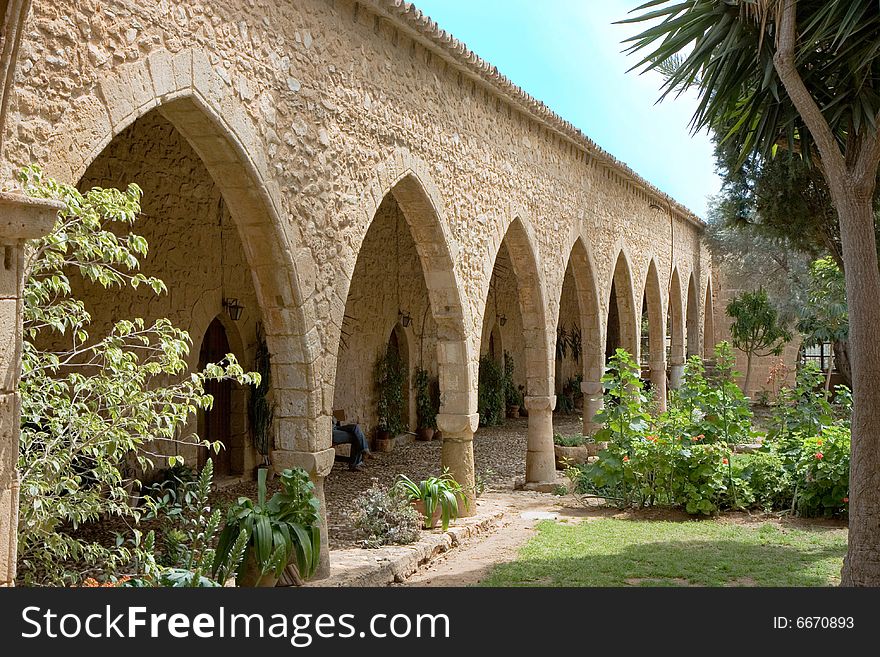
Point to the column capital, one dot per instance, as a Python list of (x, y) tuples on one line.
[(540, 403), (592, 387), (23, 217), (315, 463), (452, 423)]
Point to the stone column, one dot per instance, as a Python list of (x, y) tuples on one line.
[(21, 218), (540, 458), (658, 382), (458, 454), (676, 371), (299, 446), (593, 403)]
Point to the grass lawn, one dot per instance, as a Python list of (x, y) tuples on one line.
[(614, 552)]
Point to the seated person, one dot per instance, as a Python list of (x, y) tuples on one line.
[(351, 433)]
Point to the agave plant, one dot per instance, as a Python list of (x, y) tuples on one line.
[(434, 493), (285, 529)]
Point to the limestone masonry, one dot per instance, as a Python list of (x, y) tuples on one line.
[(338, 167)]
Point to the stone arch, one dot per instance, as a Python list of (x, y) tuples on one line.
[(653, 295), (675, 313), (406, 179), (622, 295), (539, 362), (593, 357), (709, 322), (693, 319), (186, 90), (526, 269)]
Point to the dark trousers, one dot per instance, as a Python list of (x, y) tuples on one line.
[(353, 434)]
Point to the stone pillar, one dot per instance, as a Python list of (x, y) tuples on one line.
[(658, 382), (676, 371), (540, 457), (458, 454), (593, 403), (21, 218), (298, 444)]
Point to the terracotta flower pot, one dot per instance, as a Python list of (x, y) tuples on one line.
[(425, 433), (250, 574), (383, 442), (435, 520), (512, 411)]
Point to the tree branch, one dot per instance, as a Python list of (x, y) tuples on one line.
[(784, 62)]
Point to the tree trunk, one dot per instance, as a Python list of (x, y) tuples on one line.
[(748, 378), (842, 361), (862, 564)]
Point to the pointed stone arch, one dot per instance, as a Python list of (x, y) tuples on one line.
[(653, 296), (539, 362), (709, 322), (185, 89), (583, 271), (404, 180), (621, 300), (675, 313), (692, 327)]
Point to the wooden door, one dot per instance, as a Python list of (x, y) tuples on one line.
[(216, 422)]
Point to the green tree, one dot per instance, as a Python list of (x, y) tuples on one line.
[(755, 329), (824, 317), (801, 75), (95, 411)]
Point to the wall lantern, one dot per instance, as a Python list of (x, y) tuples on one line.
[(233, 309), (502, 320), (405, 318)]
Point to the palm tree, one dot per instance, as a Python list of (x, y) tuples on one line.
[(800, 75)]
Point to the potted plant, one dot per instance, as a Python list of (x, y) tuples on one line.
[(425, 409), (390, 379), (261, 411), (435, 498), (283, 531)]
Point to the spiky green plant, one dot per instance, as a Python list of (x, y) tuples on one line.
[(441, 492)]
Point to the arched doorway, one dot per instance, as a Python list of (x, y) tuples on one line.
[(621, 327), (215, 423), (693, 319)]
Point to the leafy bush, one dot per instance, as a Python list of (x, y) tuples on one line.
[(572, 441), (390, 379), (716, 407), (624, 417), (772, 485), (93, 408), (385, 516), (824, 473), (491, 394), (513, 395), (660, 470), (288, 526), (425, 407)]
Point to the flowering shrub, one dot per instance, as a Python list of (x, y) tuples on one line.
[(660, 470), (771, 485), (823, 471)]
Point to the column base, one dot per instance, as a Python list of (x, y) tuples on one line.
[(8, 531), (318, 465)]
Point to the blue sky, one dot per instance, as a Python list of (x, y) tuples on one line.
[(568, 54)]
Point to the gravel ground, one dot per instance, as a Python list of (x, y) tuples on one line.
[(499, 455)]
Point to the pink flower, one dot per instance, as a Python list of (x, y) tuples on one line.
[(724, 461), (846, 500), (625, 459), (819, 456)]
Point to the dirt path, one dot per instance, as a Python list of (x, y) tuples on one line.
[(469, 564)]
